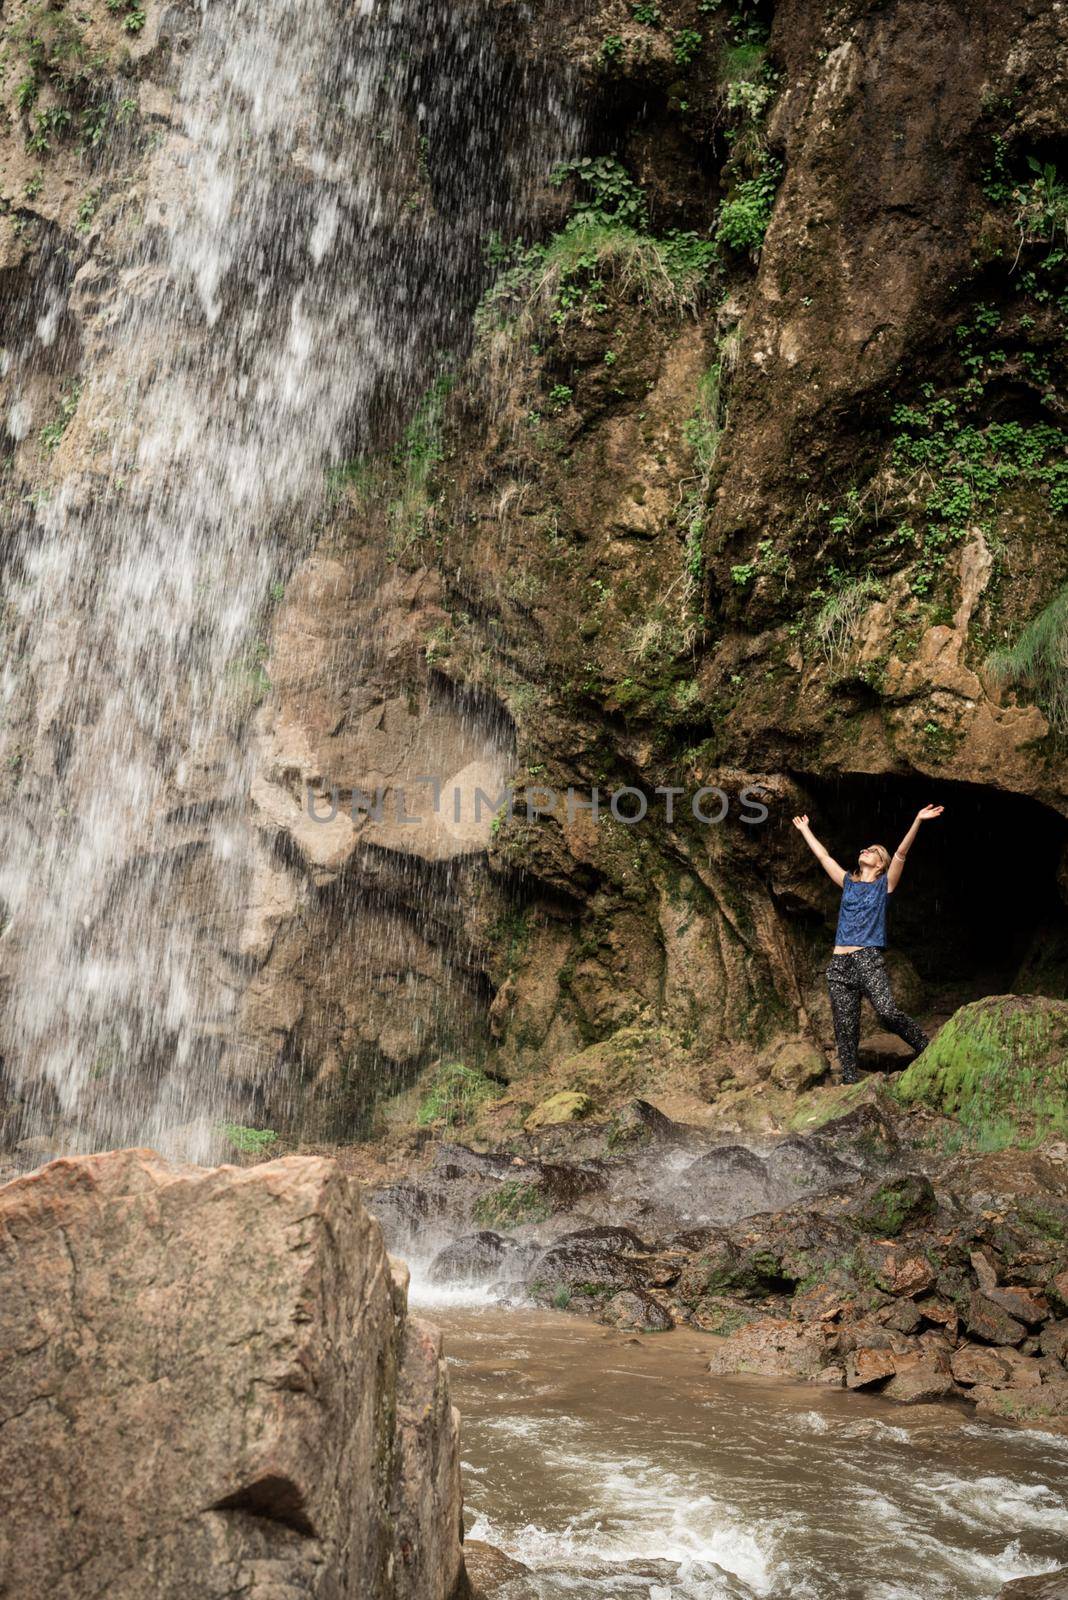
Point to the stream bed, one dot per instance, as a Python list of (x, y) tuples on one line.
[(615, 1466)]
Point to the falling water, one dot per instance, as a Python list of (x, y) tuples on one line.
[(264, 302)]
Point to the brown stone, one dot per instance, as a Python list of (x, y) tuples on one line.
[(907, 1272), (984, 1269), (1053, 1340), (903, 1316), (942, 1312), (1025, 1372), (1047, 1586), (904, 1272), (210, 1385), (868, 1335), (920, 1379), (634, 1309), (869, 1366), (818, 1304), (494, 1573), (1026, 1305), (977, 1363), (1060, 1286), (991, 1322), (935, 1341), (773, 1347), (798, 1065), (1046, 1406)]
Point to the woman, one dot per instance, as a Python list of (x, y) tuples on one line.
[(857, 966)]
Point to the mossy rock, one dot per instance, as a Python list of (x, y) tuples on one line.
[(509, 1205), (1000, 1066), (619, 1065), (454, 1095), (566, 1106), (831, 1101), (798, 1065), (726, 1270), (890, 1207)]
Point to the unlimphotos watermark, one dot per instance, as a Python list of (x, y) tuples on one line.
[(708, 805)]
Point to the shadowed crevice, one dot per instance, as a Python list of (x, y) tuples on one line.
[(275, 1499)]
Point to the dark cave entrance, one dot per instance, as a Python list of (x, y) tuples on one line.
[(978, 910)]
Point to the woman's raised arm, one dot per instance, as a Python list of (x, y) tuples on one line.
[(897, 860), (826, 861)]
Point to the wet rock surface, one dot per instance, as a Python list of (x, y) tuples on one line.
[(236, 1346), (847, 1256), (494, 1575), (1050, 1586)]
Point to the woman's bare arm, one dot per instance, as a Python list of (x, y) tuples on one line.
[(826, 861), (897, 860)]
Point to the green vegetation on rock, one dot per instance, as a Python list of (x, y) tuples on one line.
[(839, 617), (744, 218), (49, 41), (967, 466), (606, 238), (509, 1204), (568, 1105), (887, 1210), (455, 1096), (248, 1141), (1039, 661), (1000, 1066)]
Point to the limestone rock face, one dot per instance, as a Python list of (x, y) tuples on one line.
[(209, 1387)]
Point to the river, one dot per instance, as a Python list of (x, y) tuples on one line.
[(614, 1466)]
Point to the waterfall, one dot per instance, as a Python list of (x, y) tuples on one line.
[(263, 301)]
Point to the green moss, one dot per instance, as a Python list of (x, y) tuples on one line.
[(889, 1209), (824, 1105), (1000, 1066), (248, 1141), (755, 1274), (722, 1319), (1039, 660), (455, 1096), (510, 1204), (1043, 1220)]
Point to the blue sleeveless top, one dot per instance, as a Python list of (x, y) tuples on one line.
[(862, 918)]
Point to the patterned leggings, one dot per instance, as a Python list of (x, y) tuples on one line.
[(848, 978)]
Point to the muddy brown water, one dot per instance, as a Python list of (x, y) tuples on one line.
[(618, 1469)]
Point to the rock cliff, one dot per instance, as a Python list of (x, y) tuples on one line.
[(743, 469), (753, 478)]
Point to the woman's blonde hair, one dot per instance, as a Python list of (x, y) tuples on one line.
[(883, 854)]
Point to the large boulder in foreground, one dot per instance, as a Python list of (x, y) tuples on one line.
[(999, 1064), (209, 1387)]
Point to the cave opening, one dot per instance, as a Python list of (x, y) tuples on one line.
[(981, 908)]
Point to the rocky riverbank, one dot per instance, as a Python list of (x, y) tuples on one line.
[(606, 1466), (876, 1246)]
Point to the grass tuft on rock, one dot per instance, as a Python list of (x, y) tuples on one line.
[(455, 1096), (510, 1204), (248, 1141), (1038, 661)]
